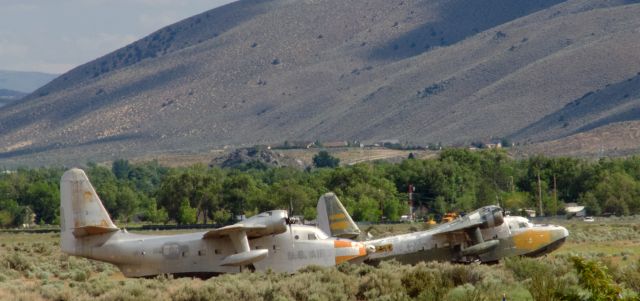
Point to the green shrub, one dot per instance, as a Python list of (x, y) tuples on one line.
[(596, 279), (428, 283), (17, 261), (631, 277), (79, 276), (466, 292), (545, 280)]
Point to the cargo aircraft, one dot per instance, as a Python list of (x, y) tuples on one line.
[(484, 235), (267, 241)]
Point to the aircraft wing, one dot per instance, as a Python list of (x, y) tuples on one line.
[(485, 217), (266, 223), (250, 230), (457, 226)]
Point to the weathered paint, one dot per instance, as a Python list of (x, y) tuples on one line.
[(444, 244), (264, 241), (333, 219)]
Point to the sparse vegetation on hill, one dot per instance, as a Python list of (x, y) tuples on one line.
[(260, 72)]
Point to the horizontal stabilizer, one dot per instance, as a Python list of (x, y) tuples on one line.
[(92, 230), (245, 258)]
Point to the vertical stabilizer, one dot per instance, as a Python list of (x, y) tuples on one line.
[(334, 219), (81, 211)]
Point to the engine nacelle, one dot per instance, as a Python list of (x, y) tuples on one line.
[(491, 217), (244, 258), (274, 222)]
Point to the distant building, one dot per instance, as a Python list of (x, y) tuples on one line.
[(389, 141), (493, 145), (573, 209)]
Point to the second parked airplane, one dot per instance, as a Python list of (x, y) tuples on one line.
[(483, 235)]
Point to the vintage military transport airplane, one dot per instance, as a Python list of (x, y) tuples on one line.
[(483, 235), (267, 241)]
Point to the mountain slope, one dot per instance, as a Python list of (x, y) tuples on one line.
[(613, 139), (259, 72), (613, 103)]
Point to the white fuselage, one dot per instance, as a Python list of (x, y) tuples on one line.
[(515, 237), (144, 255)]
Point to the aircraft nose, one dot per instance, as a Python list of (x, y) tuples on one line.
[(559, 233), (565, 232)]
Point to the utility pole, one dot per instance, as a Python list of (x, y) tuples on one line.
[(511, 185), (555, 195), (540, 195), (411, 190), (381, 209)]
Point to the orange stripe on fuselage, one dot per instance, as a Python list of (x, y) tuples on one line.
[(341, 259), (352, 248), (341, 244)]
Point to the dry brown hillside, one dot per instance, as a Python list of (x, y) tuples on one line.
[(261, 72), (615, 139)]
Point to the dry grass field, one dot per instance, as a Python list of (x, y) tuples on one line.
[(33, 268), (347, 156)]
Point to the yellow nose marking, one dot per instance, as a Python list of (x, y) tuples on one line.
[(532, 239)]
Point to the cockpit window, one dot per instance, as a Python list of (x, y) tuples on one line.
[(312, 236), (522, 225)]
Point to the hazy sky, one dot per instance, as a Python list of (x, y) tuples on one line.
[(56, 35)]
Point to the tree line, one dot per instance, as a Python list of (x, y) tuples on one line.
[(458, 180)]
